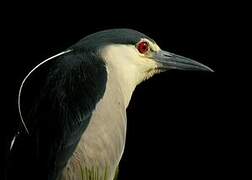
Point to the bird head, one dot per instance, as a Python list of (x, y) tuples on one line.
[(134, 55)]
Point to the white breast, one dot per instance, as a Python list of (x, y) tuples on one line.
[(101, 146)]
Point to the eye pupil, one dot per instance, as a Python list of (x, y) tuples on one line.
[(143, 47)]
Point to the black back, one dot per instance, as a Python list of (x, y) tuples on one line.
[(57, 102)]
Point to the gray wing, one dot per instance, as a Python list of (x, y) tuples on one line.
[(56, 103)]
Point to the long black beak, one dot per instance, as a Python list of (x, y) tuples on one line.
[(169, 60)]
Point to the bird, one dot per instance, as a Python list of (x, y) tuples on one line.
[(73, 105)]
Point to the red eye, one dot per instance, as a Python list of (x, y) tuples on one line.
[(143, 47)]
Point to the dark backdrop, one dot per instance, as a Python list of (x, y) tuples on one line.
[(180, 124)]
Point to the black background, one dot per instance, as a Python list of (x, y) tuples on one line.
[(180, 124)]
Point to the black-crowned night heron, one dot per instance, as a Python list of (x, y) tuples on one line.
[(75, 111)]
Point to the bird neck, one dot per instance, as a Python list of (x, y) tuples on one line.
[(120, 69), (125, 83)]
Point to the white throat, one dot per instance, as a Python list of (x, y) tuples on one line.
[(124, 62)]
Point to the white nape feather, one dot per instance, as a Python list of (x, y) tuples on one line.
[(22, 84), (12, 142), (20, 91)]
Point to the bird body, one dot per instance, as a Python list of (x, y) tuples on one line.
[(101, 146), (73, 105)]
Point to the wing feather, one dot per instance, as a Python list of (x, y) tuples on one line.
[(55, 101)]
